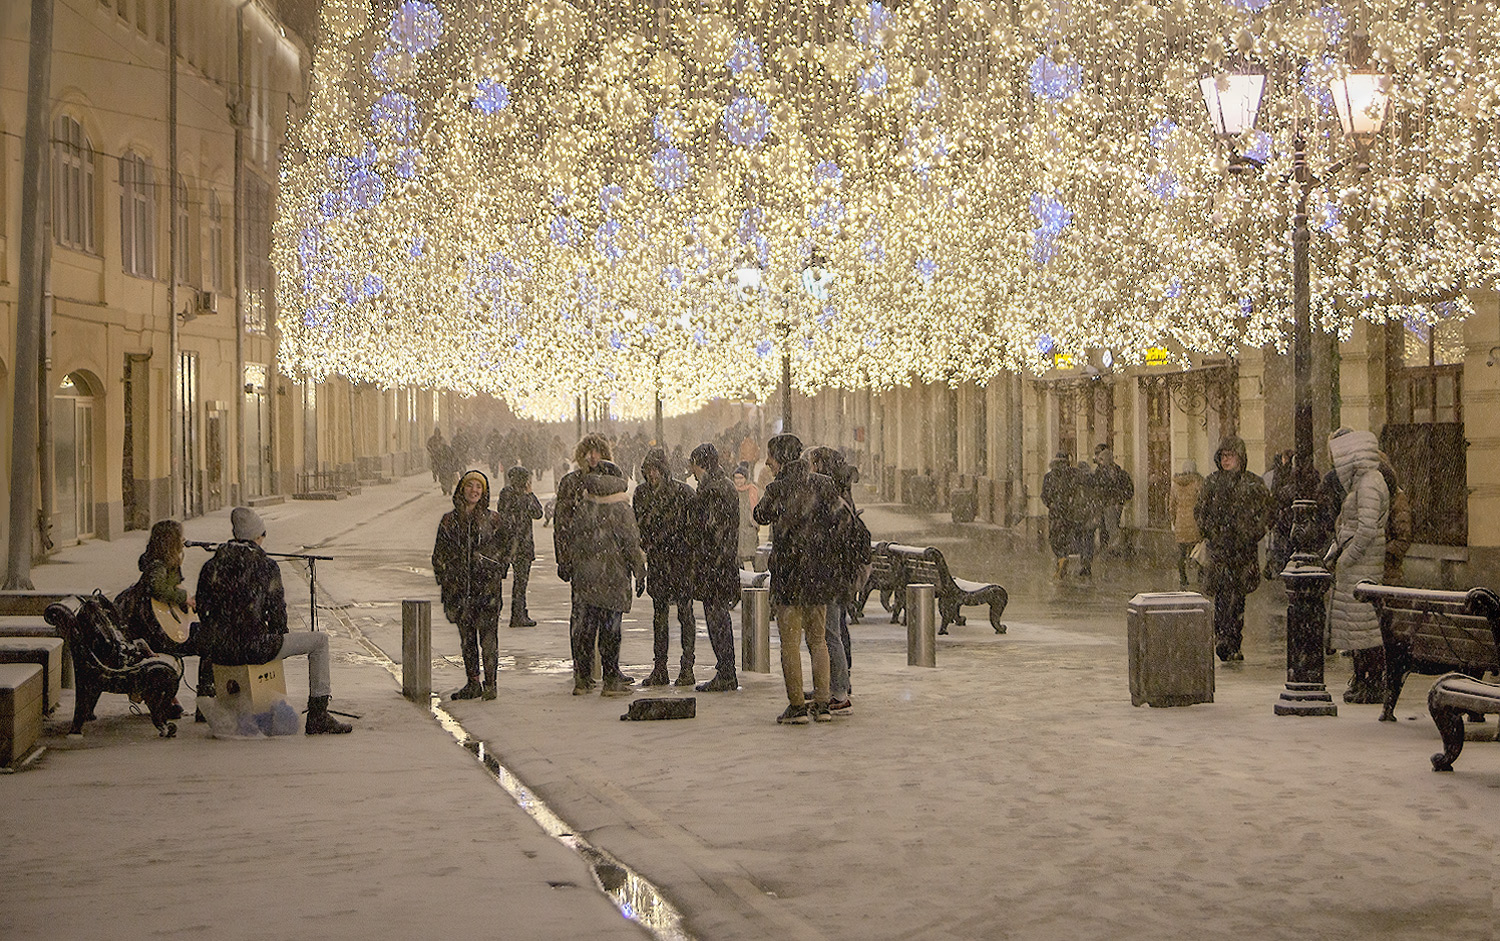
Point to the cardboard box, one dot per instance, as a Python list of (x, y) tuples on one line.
[(252, 688)]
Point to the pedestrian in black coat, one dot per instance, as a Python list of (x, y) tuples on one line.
[(1060, 497), (1233, 512), (469, 559), (661, 516), (714, 523), (518, 507)]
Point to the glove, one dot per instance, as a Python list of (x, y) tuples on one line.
[(640, 585)]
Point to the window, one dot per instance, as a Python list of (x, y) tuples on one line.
[(184, 259), (137, 217), (72, 186), (1424, 432), (213, 278), (256, 252)]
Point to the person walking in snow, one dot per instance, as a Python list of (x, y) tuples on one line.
[(1233, 512), (661, 516), (1060, 496), (469, 560), (1358, 554), (518, 507), (1113, 488)]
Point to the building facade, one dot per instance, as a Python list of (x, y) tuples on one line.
[(121, 228)]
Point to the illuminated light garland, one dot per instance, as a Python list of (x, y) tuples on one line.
[(541, 198)]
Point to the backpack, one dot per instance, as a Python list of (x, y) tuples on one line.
[(849, 548)]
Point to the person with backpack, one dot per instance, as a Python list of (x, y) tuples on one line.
[(242, 604), (849, 554), (800, 506), (713, 516)]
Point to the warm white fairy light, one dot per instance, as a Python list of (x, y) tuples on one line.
[(542, 198)]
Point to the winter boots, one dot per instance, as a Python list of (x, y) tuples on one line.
[(471, 690), (721, 683), (1367, 685), (658, 676), (320, 722), (685, 677)]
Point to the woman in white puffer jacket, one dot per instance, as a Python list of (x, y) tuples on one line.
[(1357, 554)]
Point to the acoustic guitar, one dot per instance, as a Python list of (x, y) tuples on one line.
[(172, 620)]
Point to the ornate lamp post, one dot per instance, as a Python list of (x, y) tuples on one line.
[(1361, 99)]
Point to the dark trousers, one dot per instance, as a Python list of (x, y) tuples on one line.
[(1086, 547), (661, 630), (1229, 621), (720, 626), (479, 632), (522, 570), (596, 624), (1184, 552)]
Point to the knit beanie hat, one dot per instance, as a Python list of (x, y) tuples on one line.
[(246, 523)]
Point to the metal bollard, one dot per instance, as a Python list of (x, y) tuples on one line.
[(921, 629), (416, 651), (755, 629)]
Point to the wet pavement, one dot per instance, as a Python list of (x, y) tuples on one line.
[(1011, 792)]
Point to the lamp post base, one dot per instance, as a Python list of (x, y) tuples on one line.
[(1306, 699)]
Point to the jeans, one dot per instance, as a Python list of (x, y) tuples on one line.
[(522, 568), (661, 630), (1184, 552), (792, 622), (720, 626), (314, 646), (1229, 622), (836, 629), (601, 625), (479, 631)]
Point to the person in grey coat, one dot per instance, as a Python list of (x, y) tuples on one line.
[(1358, 554), (608, 555)]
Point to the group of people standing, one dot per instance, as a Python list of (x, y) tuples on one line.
[(1084, 505), (1361, 527), (684, 546)]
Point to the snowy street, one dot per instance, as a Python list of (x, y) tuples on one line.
[(1012, 792)]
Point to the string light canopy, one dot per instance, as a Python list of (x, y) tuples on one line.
[(537, 198)]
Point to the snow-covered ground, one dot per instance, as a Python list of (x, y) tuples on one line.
[(1013, 792)]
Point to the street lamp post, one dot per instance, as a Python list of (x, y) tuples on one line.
[(1233, 101)]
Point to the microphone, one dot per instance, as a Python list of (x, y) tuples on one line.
[(200, 545)]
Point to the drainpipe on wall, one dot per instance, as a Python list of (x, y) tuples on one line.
[(177, 488), (25, 415), (237, 118)]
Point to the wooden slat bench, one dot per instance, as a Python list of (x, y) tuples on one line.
[(1430, 631), (927, 566)]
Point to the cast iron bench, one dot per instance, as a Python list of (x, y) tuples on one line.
[(884, 578), (1429, 631), (927, 566), (105, 662)]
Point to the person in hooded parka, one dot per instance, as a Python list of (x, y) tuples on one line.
[(1358, 554)]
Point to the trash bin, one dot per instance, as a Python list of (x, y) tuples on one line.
[(965, 506), (1171, 648)]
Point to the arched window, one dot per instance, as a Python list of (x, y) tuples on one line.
[(137, 216), (72, 186)]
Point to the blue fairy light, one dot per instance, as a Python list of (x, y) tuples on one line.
[(673, 277), (366, 188), (1260, 147), (1045, 344), (745, 57), (872, 80), (606, 240), (1053, 217), (827, 215), (1333, 21), (1248, 6), (616, 341), (925, 269), (405, 162), (763, 348), (664, 125), (928, 96), (1160, 131), (670, 169), (608, 196), (1330, 217), (1173, 289), (828, 171), (1058, 81), (416, 27), (491, 97), (565, 230), (869, 27), (394, 115), (1164, 185), (746, 121), (1247, 305)]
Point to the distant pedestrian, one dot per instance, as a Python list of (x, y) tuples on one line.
[(1233, 512), (799, 506), (1086, 517), (1113, 488), (1358, 554), (494, 453), (1186, 486), (608, 557), (1060, 496), (749, 533), (714, 522), (661, 516), (438, 456), (242, 602), (518, 508), (469, 559)]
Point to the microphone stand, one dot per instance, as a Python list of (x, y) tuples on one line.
[(312, 571)]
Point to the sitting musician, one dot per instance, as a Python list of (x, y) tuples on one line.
[(157, 609)]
